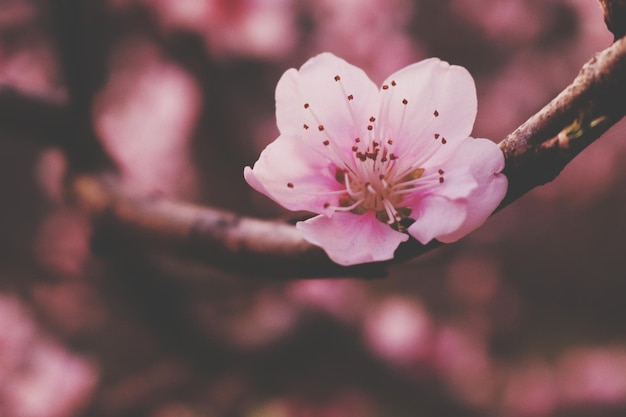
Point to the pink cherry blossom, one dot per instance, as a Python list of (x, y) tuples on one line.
[(379, 164)]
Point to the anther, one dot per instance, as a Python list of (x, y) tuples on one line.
[(350, 97), (305, 126), (320, 127), (390, 142), (370, 127), (372, 119), (436, 113), (306, 105), (436, 135), (326, 142), (405, 101), (355, 148), (393, 83), (385, 87), (441, 180), (337, 78), (357, 140), (443, 141), (290, 184), (392, 157), (440, 172)]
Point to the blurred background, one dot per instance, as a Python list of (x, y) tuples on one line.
[(524, 317)]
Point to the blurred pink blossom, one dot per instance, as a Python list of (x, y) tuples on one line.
[(345, 299), (38, 378), (464, 362), (370, 33), (256, 28), (593, 376), (146, 116), (62, 243), (530, 391), (378, 164), (264, 320), (510, 22), (400, 331)]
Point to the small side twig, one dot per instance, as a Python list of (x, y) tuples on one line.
[(615, 16)]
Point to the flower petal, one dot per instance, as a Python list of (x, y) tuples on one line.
[(295, 177), (327, 99), (350, 239), (428, 106), (445, 213), (487, 163)]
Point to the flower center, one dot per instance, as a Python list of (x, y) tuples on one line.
[(374, 183)]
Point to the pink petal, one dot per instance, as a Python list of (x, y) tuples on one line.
[(295, 176), (436, 216), (445, 213), (440, 104), (350, 239), (339, 98)]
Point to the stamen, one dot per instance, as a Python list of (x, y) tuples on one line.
[(391, 212), (350, 207)]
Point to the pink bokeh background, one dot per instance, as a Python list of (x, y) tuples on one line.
[(524, 317)]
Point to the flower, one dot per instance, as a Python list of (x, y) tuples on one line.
[(379, 164)]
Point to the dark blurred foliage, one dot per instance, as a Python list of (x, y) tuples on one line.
[(525, 317)]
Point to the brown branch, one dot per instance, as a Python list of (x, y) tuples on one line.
[(220, 238), (615, 16)]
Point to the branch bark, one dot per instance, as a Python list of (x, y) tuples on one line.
[(615, 16)]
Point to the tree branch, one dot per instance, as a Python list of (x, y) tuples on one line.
[(615, 16)]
